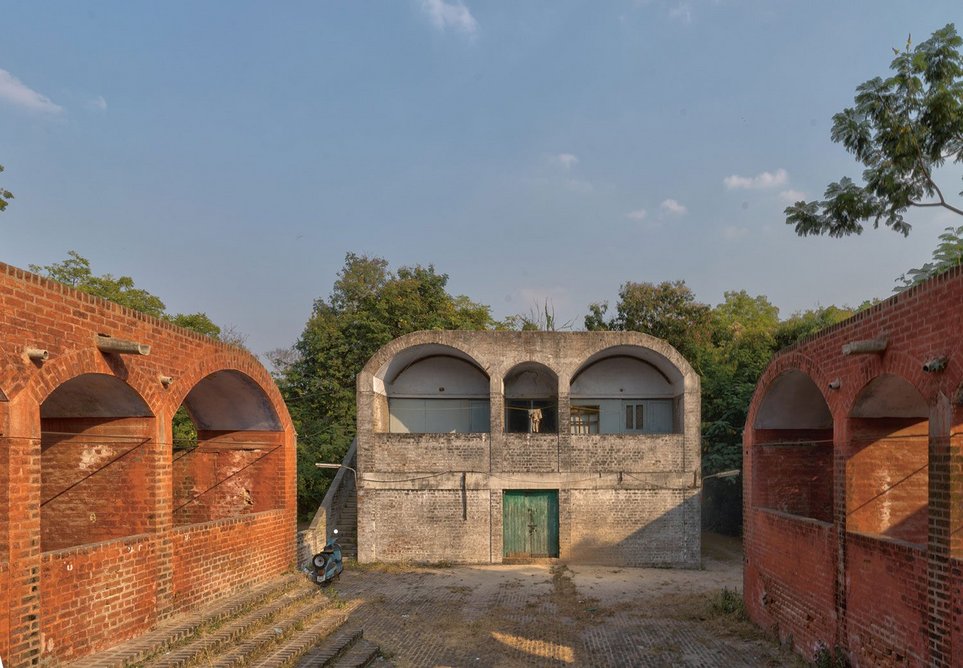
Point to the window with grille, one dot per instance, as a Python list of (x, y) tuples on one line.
[(585, 419)]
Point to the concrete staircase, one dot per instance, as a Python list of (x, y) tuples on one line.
[(347, 522), (286, 623)]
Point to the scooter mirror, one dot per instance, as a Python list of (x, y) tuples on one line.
[(335, 531)]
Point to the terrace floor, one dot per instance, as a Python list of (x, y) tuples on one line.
[(558, 614)]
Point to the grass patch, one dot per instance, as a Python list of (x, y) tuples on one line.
[(727, 603)]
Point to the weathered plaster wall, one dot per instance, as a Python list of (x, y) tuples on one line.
[(623, 498)]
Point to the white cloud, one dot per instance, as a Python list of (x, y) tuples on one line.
[(673, 207), (98, 103), (733, 232), (580, 186), (681, 12), (566, 160), (19, 94), (792, 196), (445, 15), (638, 214), (763, 180)]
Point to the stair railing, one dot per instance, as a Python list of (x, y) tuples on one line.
[(312, 539)]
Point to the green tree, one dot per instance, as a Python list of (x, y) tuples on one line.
[(948, 254), (666, 310), (76, 272), (806, 323), (369, 306), (743, 339), (902, 129), (5, 195)]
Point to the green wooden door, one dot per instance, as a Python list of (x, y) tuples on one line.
[(530, 523)]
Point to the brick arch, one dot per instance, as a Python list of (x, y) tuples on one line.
[(895, 363), (636, 340), (228, 361), (793, 361), (132, 371), (389, 351), (502, 374)]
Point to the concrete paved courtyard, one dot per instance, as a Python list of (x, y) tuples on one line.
[(558, 615)]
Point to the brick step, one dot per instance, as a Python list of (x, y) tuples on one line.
[(329, 651), (304, 642), (184, 628), (279, 633), (215, 640), (362, 654)]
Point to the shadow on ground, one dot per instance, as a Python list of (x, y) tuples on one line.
[(559, 615)]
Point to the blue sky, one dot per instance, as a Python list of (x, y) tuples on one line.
[(228, 154)]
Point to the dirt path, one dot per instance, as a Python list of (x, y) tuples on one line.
[(541, 615)]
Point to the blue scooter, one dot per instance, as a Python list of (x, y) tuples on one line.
[(327, 563)]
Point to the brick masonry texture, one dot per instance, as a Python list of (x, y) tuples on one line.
[(100, 538), (624, 499), (854, 529)]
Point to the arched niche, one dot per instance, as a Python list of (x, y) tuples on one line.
[(230, 400), (792, 456), (627, 390), (96, 462), (432, 388), (887, 461), (531, 399), (227, 450)]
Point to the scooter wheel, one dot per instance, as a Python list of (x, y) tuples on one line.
[(320, 560)]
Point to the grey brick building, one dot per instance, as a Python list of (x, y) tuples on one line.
[(488, 446)]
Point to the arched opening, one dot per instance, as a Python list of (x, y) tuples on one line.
[(531, 399), (227, 457), (627, 390), (96, 463), (792, 458), (432, 389), (887, 472)]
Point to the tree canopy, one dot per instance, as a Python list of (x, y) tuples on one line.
[(369, 306), (667, 310), (902, 129), (5, 195), (76, 272)]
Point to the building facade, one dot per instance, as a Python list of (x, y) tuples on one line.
[(853, 485), (482, 447), (108, 522)]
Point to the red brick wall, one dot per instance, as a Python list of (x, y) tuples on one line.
[(887, 478), (211, 559), (790, 577), (50, 613), (795, 479), (112, 583), (896, 479), (886, 603), (93, 485), (216, 480), (955, 589)]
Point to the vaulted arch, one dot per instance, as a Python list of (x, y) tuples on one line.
[(96, 462), (792, 441), (887, 470)]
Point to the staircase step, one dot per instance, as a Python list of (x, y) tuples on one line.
[(185, 627), (333, 647), (210, 644), (292, 652), (362, 654), (268, 640)]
